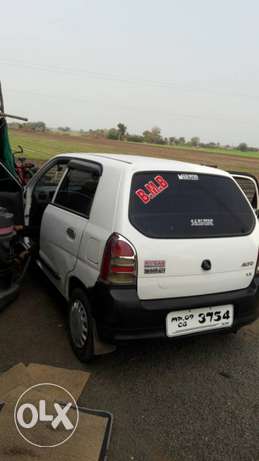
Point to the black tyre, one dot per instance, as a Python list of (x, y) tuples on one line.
[(81, 325)]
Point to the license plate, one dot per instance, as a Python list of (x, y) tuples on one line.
[(185, 322)]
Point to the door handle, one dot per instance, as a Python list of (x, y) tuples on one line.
[(71, 233)]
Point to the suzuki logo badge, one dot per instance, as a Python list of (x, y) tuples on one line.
[(206, 265)]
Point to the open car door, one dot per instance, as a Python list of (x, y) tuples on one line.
[(249, 185)]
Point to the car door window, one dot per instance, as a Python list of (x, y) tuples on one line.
[(43, 193), (77, 190), (47, 184)]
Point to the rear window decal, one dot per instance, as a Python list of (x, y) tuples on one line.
[(152, 189), (188, 177), (202, 222), (154, 266)]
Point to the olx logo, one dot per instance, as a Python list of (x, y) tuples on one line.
[(41, 415), (33, 410)]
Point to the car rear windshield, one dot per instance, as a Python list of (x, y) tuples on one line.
[(188, 205)]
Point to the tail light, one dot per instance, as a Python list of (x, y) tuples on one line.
[(119, 264)]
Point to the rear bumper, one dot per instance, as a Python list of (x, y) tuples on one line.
[(121, 315)]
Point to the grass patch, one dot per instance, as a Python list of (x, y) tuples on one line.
[(45, 145), (205, 150)]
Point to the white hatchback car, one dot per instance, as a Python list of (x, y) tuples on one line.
[(144, 247)]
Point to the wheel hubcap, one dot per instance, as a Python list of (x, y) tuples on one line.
[(79, 323)]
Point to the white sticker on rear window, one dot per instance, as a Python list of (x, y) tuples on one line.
[(188, 177), (202, 222), (154, 266)]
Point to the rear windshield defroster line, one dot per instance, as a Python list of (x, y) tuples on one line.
[(180, 205)]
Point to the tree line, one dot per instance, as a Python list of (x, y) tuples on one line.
[(120, 133), (154, 136)]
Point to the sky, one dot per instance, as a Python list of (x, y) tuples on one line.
[(189, 67)]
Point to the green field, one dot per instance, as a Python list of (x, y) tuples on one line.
[(42, 146), (221, 150)]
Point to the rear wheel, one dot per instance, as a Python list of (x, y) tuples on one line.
[(81, 325)]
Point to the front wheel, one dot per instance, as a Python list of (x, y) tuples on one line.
[(81, 325)]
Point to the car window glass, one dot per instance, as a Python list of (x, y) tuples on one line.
[(249, 188), (187, 205), (47, 184), (76, 193), (52, 177)]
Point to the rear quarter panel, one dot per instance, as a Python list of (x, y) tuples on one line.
[(101, 225)]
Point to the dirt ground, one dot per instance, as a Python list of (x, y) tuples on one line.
[(50, 144), (226, 162), (187, 400)]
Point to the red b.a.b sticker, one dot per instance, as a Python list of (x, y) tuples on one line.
[(152, 189)]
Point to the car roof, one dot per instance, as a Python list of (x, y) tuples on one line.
[(146, 163)]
